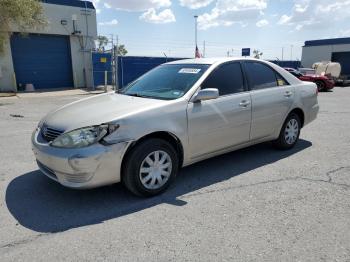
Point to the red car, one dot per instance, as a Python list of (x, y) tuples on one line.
[(323, 82)]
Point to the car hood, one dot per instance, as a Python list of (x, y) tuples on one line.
[(97, 110), (317, 77)]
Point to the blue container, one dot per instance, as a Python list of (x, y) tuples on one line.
[(132, 67), (287, 63), (102, 63)]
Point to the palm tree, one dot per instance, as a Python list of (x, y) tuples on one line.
[(257, 53)]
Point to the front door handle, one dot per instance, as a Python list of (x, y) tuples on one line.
[(288, 94), (244, 103)]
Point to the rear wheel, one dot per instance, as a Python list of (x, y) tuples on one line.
[(150, 167), (290, 132), (321, 86)]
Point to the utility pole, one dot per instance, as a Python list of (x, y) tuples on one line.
[(116, 54), (112, 36), (112, 54)]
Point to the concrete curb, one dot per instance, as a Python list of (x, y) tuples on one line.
[(7, 94)]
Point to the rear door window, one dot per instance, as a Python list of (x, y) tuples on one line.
[(261, 76)]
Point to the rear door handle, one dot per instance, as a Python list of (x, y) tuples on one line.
[(288, 94), (244, 103)]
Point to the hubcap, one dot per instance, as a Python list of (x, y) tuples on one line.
[(155, 170), (291, 131)]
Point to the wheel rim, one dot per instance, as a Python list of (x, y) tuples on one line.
[(155, 169), (320, 85), (291, 132)]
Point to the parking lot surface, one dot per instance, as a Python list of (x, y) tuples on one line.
[(255, 204)]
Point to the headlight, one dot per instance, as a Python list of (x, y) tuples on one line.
[(83, 137)]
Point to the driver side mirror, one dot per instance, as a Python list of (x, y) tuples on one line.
[(206, 94)]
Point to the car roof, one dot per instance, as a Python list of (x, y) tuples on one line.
[(209, 61), (219, 60)]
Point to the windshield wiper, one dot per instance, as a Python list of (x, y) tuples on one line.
[(139, 95), (134, 94)]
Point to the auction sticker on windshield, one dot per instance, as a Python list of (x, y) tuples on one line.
[(189, 71)]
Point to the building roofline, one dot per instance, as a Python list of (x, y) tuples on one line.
[(74, 3), (331, 41)]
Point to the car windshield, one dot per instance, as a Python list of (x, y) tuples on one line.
[(166, 82)]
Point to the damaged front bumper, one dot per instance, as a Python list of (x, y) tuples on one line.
[(80, 168)]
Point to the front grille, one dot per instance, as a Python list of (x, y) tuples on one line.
[(50, 134), (77, 178)]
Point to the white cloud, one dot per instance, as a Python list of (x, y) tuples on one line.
[(95, 2), (109, 23), (163, 17), (195, 4), (262, 23), (345, 33), (229, 12), (138, 5), (316, 14), (106, 5), (284, 19)]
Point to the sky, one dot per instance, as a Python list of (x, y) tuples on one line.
[(275, 27)]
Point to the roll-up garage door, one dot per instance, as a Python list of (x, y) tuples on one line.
[(42, 60), (343, 58)]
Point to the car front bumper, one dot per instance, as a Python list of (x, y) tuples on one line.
[(81, 168)]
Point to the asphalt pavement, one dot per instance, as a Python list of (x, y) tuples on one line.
[(255, 204)]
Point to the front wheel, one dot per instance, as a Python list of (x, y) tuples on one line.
[(150, 167), (321, 86), (290, 132)]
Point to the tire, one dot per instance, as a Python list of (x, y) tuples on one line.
[(321, 86), (161, 174), (292, 126)]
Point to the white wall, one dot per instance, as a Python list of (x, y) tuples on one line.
[(313, 54), (81, 44), (6, 67)]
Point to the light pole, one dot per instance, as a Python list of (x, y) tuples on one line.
[(195, 30)]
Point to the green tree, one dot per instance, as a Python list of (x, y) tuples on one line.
[(257, 54), (122, 50), (23, 14), (102, 41)]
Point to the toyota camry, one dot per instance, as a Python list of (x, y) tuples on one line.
[(175, 115)]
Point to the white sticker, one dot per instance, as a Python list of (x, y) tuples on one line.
[(189, 71)]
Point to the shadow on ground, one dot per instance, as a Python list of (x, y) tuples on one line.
[(42, 205)]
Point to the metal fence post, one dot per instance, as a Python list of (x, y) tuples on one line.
[(106, 80)]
